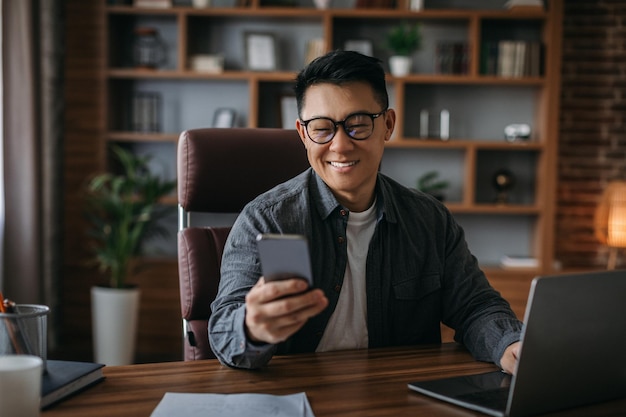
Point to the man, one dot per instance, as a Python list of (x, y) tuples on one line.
[(389, 263)]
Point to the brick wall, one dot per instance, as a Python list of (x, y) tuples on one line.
[(592, 147)]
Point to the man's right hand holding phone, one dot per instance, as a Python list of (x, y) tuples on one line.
[(276, 310)]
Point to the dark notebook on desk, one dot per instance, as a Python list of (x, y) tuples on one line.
[(572, 344), (65, 378)]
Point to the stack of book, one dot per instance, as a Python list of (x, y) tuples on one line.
[(451, 58), (508, 58), (514, 262)]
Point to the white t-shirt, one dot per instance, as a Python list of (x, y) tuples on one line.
[(347, 327)]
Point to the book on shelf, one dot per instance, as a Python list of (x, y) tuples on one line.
[(451, 58), (514, 261), (65, 378), (507, 58)]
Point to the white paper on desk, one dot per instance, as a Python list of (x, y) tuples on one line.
[(233, 405)]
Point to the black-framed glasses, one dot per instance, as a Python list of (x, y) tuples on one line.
[(359, 126)]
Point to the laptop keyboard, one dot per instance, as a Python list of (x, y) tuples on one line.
[(495, 399)]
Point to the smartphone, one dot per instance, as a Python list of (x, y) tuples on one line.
[(284, 256)]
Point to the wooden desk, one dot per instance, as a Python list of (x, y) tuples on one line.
[(349, 383)]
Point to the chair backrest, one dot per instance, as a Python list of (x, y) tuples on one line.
[(219, 171)]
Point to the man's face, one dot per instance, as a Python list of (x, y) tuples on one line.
[(347, 166)]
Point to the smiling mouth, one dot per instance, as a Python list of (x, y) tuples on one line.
[(342, 164)]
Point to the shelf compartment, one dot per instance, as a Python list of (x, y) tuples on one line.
[(209, 34), (522, 166), (186, 104), (476, 112), (121, 35), (491, 237)]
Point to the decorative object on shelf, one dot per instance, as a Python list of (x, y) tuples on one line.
[(146, 112), (430, 183), (402, 41), (224, 117), (149, 50), (610, 220), (211, 64), (444, 125), (314, 49), (261, 54), (322, 4), (503, 181), (200, 4), (425, 125), (363, 46), (122, 210), (515, 132)]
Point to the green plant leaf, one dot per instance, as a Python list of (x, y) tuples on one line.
[(404, 39), (122, 210), (429, 182)]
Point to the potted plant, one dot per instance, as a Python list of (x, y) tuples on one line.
[(122, 210), (430, 183), (402, 41)]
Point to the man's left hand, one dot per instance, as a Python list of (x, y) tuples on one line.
[(508, 363)]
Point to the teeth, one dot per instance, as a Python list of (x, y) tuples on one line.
[(342, 164)]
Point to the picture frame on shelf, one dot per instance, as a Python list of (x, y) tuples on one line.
[(363, 46), (224, 117), (288, 112), (260, 50)]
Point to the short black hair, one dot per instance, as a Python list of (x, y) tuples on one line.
[(340, 67)]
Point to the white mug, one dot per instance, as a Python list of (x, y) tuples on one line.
[(20, 385)]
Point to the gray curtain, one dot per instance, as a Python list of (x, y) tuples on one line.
[(32, 82)]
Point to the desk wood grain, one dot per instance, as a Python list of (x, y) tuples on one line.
[(348, 383)]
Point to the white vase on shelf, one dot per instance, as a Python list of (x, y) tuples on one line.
[(400, 65)]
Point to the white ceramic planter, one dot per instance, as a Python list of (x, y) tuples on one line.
[(399, 65), (114, 316)]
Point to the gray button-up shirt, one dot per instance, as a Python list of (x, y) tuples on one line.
[(420, 273)]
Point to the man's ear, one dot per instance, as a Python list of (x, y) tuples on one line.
[(390, 123), (301, 132)]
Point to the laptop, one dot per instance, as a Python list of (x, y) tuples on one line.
[(573, 344)]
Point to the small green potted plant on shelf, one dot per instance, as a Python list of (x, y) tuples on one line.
[(122, 210), (430, 183), (402, 41)]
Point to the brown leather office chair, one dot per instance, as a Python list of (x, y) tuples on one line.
[(219, 171)]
